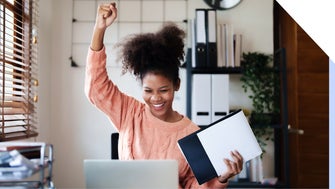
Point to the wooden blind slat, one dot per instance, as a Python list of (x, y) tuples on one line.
[(11, 123), (13, 104), (13, 98), (19, 135), (13, 111), (13, 65), (12, 80), (15, 74), (8, 130), (13, 117)]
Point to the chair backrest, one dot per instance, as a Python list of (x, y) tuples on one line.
[(114, 146)]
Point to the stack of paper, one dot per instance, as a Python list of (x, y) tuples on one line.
[(14, 162), (15, 166)]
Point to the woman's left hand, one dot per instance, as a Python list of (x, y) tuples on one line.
[(234, 166)]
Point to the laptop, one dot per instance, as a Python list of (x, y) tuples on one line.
[(130, 174)]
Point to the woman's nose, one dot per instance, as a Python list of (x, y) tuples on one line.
[(156, 97)]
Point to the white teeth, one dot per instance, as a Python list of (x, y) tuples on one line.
[(158, 105)]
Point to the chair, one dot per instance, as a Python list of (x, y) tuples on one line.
[(114, 145)]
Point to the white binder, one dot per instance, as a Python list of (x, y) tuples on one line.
[(201, 99), (211, 39), (193, 38), (219, 96), (200, 38), (210, 98), (211, 18)]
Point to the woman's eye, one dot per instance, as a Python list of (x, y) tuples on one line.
[(164, 90)]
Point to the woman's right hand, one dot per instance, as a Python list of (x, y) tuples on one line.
[(106, 14)]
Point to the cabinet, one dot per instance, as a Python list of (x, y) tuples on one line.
[(281, 169), (33, 167)]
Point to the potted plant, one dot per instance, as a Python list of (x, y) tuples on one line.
[(262, 79)]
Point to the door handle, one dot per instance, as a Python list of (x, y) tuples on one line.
[(295, 131)]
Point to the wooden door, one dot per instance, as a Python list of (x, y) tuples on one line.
[(308, 103)]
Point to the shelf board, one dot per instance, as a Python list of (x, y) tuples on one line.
[(275, 126), (221, 70), (246, 184)]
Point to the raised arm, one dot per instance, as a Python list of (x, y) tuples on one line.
[(99, 89), (106, 14)]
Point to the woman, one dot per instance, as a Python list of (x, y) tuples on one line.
[(147, 130)]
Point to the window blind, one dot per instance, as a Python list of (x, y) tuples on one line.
[(18, 69)]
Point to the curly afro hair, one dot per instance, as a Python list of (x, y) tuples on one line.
[(158, 53)]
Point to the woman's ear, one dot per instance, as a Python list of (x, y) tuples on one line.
[(177, 85)]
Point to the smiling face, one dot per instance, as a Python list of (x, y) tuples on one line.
[(158, 94)]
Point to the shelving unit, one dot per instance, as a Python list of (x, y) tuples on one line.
[(41, 177), (189, 77), (280, 129)]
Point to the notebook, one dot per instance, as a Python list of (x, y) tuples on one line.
[(205, 150), (148, 174)]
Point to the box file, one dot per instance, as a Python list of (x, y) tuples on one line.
[(200, 38), (210, 100), (211, 38), (201, 100), (206, 38), (219, 96), (193, 39)]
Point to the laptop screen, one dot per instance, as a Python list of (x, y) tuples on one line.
[(148, 174)]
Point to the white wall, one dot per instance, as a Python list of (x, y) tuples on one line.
[(68, 121), (44, 62)]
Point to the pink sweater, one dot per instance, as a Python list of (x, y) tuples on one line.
[(141, 135)]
